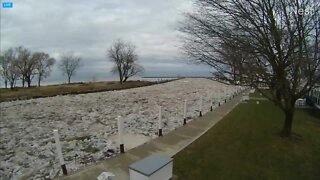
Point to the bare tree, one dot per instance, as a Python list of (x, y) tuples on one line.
[(4, 70), (276, 41), (124, 57), (9, 70), (43, 65), (26, 65), (69, 65)]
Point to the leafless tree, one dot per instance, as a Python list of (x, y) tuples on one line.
[(276, 41), (4, 70), (26, 65), (9, 70), (69, 64), (124, 57), (43, 65)]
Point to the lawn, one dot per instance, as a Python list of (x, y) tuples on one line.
[(256, 94), (246, 145), (62, 89)]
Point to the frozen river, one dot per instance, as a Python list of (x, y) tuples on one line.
[(87, 124)]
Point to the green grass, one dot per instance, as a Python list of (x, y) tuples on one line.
[(256, 94), (246, 145)]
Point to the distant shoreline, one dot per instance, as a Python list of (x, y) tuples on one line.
[(82, 81), (177, 77), (25, 93)]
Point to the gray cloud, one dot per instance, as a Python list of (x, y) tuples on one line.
[(88, 28)]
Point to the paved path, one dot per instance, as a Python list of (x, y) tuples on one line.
[(170, 144)]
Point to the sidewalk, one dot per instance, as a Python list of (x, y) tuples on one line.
[(169, 145)]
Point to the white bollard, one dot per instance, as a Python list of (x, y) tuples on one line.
[(185, 113), (200, 106), (211, 103), (59, 151), (120, 134), (160, 121), (219, 97), (226, 94)]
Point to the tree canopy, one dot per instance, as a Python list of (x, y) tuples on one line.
[(272, 43)]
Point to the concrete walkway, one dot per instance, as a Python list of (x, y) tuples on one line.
[(169, 145)]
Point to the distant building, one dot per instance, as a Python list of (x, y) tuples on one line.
[(314, 95)]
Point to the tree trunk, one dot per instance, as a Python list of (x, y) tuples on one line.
[(287, 126), (69, 78), (39, 80), (11, 84), (6, 83), (29, 82), (120, 77), (23, 82), (125, 79)]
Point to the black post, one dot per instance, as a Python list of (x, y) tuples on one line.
[(64, 169), (121, 148), (160, 132)]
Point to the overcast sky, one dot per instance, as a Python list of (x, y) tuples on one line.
[(87, 28)]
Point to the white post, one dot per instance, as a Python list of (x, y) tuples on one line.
[(219, 97), (185, 113), (200, 106), (120, 133), (59, 151), (160, 121), (211, 102), (225, 94)]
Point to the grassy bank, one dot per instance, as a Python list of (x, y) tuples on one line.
[(246, 145), (63, 89), (257, 94)]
